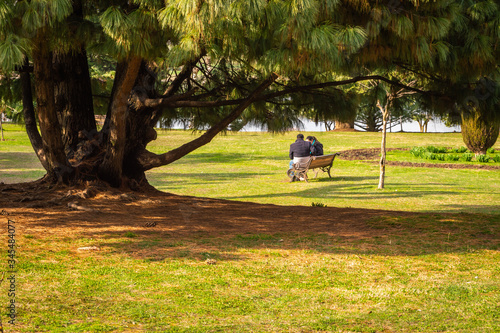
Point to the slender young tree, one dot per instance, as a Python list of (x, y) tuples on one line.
[(1, 125), (385, 105)]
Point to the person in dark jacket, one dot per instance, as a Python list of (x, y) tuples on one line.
[(316, 146), (300, 151), (300, 148)]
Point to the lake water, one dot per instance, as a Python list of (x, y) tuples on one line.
[(309, 126), (433, 126)]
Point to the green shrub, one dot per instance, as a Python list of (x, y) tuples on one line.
[(479, 134), (491, 150), (318, 204), (496, 158), (450, 157), (482, 158), (430, 156), (467, 157), (430, 149), (417, 151), (436, 150), (443, 154), (460, 150)]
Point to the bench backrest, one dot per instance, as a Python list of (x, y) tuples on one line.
[(322, 161)]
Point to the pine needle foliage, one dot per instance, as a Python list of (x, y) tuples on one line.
[(238, 43)]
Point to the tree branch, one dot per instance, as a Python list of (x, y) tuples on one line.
[(166, 102), (183, 75), (150, 160)]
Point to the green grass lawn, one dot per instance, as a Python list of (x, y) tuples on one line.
[(435, 271), (436, 282), (252, 166)]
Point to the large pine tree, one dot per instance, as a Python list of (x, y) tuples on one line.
[(209, 62)]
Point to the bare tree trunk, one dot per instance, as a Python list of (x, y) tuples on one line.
[(141, 123), (1, 125), (385, 116), (328, 125), (344, 125), (73, 97), (29, 115), (112, 166), (58, 166)]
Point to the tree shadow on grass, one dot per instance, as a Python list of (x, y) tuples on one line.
[(341, 189), (18, 160), (203, 178), (387, 236), (215, 158), (337, 179), (199, 228)]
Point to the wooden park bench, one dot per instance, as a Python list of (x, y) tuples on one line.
[(323, 162)]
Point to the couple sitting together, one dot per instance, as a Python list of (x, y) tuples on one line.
[(301, 150)]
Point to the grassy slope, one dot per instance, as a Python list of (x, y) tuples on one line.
[(433, 272)]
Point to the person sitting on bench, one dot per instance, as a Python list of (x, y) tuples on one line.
[(300, 151), (316, 146)]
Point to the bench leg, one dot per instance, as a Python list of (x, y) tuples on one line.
[(301, 175), (295, 175)]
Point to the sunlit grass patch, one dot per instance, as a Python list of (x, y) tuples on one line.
[(268, 282)]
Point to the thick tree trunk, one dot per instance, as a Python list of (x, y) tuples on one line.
[(141, 123), (372, 124), (339, 125), (119, 73), (73, 98), (142, 119), (29, 116), (58, 166), (111, 169)]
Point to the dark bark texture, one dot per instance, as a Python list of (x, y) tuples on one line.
[(29, 115), (111, 169), (73, 98), (53, 147)]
